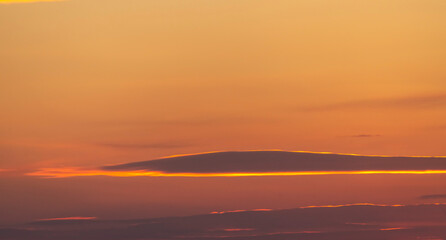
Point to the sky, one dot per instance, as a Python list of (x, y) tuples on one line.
[(114, 110)]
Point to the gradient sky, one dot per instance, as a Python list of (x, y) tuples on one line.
[(119, 81), (90, 83)]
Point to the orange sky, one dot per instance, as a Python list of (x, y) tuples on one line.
[(84, 80), (86, 83)]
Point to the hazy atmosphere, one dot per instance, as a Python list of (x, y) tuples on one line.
[(210, 119)]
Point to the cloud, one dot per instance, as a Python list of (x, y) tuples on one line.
[(68, 219), (411, 102), (354, 221), (144, 146), (238, 229), (281, 161), (433, 196), (365, 135), (5, 171), (27, 1), (260, 163)]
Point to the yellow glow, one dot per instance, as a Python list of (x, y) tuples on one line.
[(76, 172), (280, 150), (353, 204)]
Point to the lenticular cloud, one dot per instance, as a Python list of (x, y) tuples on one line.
[(281, 161)]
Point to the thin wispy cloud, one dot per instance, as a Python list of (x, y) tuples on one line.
[(190, 122), (161, 145), (433, 196), (3, 170), (68, 219), (410, 102), (365, 135)]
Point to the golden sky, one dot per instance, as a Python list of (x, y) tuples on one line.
[(90, 83), (118, 81), (25, 1)]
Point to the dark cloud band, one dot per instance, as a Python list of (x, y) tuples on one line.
[(280, 161), (358, 221)]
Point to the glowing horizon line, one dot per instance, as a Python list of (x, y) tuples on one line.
[(77, 172), (280, 150), (393, 228), (67, 218), (328, 206), (237, 211), (363, 204)]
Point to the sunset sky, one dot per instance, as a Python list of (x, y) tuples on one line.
[(115, 110)]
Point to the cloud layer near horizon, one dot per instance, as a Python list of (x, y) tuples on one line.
[(358, 221)]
